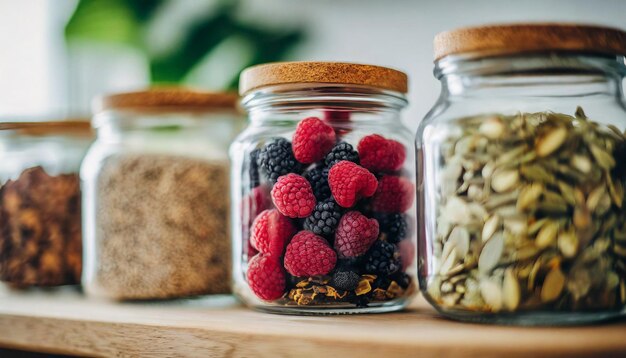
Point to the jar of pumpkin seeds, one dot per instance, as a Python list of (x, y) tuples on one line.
[(522, 168)]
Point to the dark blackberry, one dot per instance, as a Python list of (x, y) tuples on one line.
[(254, 168), (345, 280), (276, 159), (382, 258), (394, 226), (318, 177), (349, 263), (341, 151), (324, 219)]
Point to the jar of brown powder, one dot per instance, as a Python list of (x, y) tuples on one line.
[(40, 222), (156, 195)]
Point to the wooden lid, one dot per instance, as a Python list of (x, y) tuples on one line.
[(167, 98), (523, 38), (69, 127), (280, 73)]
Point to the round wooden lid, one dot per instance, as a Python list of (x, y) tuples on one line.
[(523, 38), (280, 73), (67, 127), (167, 99)]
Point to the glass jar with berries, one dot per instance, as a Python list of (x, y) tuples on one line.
[(323, 190), (522, 169)]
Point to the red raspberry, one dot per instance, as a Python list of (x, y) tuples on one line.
[(394, 195), (255, 202), (312, 140), (349, 182), (355, 234), (293, 196), (270, 232), (266, 277), (407, 253), (309, 255), (381, 155)]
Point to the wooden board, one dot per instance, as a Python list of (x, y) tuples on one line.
[(66, 322)]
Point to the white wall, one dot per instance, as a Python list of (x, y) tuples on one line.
[(399, 33), (395, 33)]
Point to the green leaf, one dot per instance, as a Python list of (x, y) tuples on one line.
[(103, 20)]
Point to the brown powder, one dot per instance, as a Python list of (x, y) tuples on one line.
[(40, 237), (161, 228)]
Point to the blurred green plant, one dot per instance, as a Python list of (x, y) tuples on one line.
[(128, 22)]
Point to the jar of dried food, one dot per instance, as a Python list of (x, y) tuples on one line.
[(323, 190), (156, 195), (40, 222), (522, 166)]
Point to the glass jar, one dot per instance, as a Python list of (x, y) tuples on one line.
[(323, 191), (156, 195), (40, 219), (522, 167)]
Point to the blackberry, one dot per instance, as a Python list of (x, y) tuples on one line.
[(382, 258), (402, 279), (254, 168), (341, 151), (276, 159), (393, 225), (324, 219), (318, 177), (345, 280)]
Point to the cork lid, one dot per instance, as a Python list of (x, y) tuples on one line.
[(167, 99), (279, 73), (513, 39), (78, 127)]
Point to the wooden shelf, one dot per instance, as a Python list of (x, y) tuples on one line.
[(66, 322)]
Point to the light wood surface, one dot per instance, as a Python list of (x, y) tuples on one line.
[(66, 322)]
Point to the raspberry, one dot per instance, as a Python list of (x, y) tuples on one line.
[(355, 234), (292, 195), (394, 195), (345, 280), (381, 155), (407, 253), (270, 232), (342, 151), (382, 258), (309, 255), (266, 277), (349, 182), (253, 168), (318, 178), (324, 219), (312, 140), (394, 226), (276, 159)]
